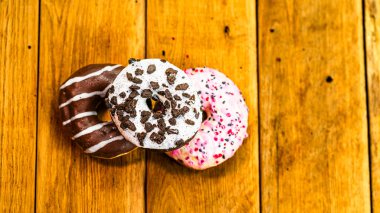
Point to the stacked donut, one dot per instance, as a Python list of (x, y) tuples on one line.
[(198, 116)]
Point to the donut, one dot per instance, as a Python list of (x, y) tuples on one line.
[(176, 115), (224, 125), (79, 100)]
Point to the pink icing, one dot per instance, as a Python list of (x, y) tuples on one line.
[(225, 128)]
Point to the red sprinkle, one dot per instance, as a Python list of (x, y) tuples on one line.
[(228, 114), (217, 156), (215, 139), (196, 149)]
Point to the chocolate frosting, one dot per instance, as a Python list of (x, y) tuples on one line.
[(79, 99)]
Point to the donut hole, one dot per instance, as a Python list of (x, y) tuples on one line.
[(204, 115), (150, 103), (155, 105), (206, 112), (103, 112)]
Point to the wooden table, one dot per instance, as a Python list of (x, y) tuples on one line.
[(309, 70)]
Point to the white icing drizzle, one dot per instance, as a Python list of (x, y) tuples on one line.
[(90, 129), (81, 78), (100, 145), (80, 115), (85, 95)]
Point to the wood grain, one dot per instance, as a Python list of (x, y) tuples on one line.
[(222, 35), (18, 66), (74, 34), (314, 144), (372, 22)]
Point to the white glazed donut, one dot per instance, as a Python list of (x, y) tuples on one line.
[(225, 126), (177, 115)]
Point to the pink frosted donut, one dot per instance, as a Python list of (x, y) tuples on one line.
[(225, 126)]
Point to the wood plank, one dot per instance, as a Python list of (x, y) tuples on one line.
[(372, 22), (194, 35), (314, 144), (74, 34), (18, 103)]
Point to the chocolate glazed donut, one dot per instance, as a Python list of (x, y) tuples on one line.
[(79, 99)]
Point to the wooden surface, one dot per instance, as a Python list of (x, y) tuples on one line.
[(313, 107), (308, 69), (198, 39), (372, 23), (18, 66), (71, 37)]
